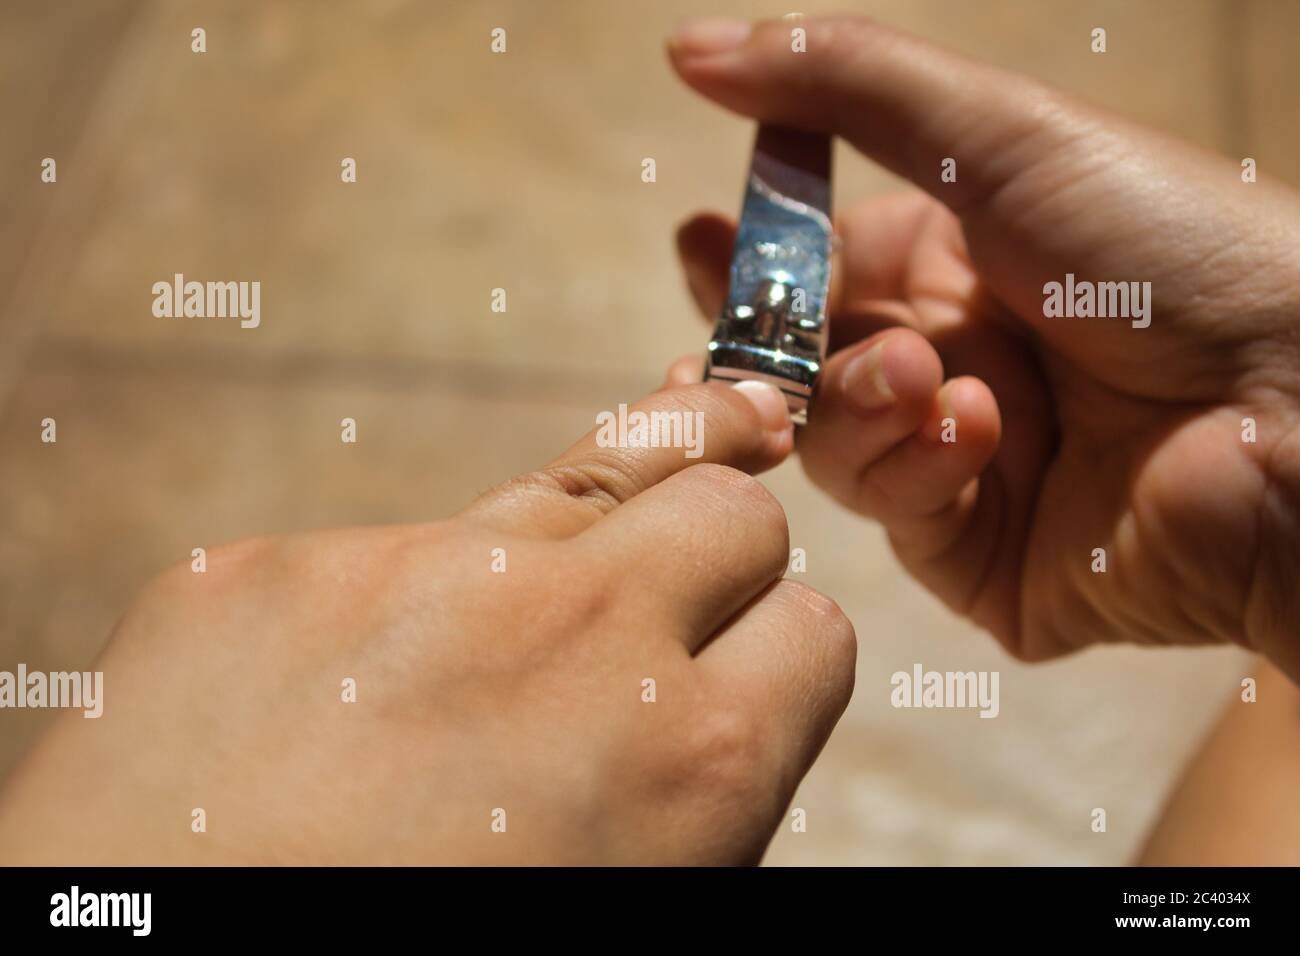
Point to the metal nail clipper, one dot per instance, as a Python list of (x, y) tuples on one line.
[(773, 324)]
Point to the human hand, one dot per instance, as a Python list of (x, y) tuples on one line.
[(1072, 434), (477, 693)]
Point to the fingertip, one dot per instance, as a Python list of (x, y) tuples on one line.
[(747, 425), (770, 412), (768, 403), (966, 411), (896, 368), (687, 370)]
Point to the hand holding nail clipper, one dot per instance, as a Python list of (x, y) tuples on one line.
[(1124, 466)]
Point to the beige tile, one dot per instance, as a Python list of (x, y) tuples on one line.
[(54, 60), (478, 171), (1270, 71), (45, 99)]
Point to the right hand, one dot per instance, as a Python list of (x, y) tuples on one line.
[(522, 691), (1072, 433)]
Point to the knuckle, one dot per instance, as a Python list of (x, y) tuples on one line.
[(245, 555), (842, 39), (567, 599), (605, 477), (225, 566), (842, 29), (830, 633), (589, 605), (723, 757), (814, 603), (181, 589), (718, 403), (598, 482), (735, 487), (528, 484)]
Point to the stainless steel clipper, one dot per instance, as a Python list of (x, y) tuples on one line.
[(773, 324)]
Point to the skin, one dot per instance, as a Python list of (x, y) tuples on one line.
[(1072, 433), (475, 690), (522, 691), (1235, 804)]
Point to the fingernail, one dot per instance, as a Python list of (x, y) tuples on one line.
[(706, 36), (768, 402), (865, 382)]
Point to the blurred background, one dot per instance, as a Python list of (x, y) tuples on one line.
[(520, 171)]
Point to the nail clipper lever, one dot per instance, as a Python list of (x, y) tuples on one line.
[(773, 324)]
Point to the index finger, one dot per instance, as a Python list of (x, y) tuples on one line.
[(904, 102)]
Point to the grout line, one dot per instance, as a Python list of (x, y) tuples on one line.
[(1237, 122), (65, 225), (299, 368)]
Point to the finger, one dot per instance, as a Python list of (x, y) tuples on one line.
[(925, 472), (704, 244), (871, 396), (925, 489), (786, 666), (745, 426), (687, 370), (709, 538), (878, 239), (904, 102)]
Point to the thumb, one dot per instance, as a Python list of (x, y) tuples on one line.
[(745, 426), (905, 103)]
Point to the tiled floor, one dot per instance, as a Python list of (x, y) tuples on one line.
[(518, 171)]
